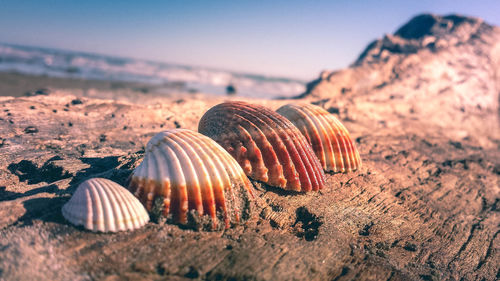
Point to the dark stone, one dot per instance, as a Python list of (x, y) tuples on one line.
[(76, 101), (30, 130)]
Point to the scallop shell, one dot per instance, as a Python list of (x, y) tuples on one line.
[(102, 205), (329, 139), (188, 175), (267, 146)]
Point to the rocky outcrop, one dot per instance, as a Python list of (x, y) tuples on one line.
[(426, 31), (443, 71)]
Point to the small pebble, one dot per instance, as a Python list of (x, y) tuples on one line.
[(30, 130), (76, 101)]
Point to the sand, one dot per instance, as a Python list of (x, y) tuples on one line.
[(424, 206)]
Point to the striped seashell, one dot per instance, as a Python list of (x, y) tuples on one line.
[(102, 205), (329, 139), (267, 146), (187, 175)]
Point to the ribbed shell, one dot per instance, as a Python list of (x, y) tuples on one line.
[(188, 172), (329, 139), (102, 205), (267, 146)]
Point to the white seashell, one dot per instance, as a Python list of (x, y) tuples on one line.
[(187, 177), (328, 137), (102, 205)]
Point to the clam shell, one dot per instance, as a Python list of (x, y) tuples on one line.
[(267, 146), (188, 175), (102, 205), (329, 139)]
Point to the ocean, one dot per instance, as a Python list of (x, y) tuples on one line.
[(71, 64)]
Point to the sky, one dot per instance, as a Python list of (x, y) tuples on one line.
[(296, 39)]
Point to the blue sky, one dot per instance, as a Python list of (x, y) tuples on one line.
[(281, 38)]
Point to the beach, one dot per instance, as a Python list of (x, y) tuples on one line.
[(423, 206), (390, 210)]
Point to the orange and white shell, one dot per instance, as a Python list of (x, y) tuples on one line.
[(267, 146), (329, 139), (188, 175), (102, 205)]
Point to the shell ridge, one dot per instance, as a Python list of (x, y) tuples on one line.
[(97, 218), (295, 152), (330, 129), (165, 189), (334, 134), (115, 206), (353, 150), (179, 199), (317, 140), (334, 151), (312, 164), (303, 158), (130, 213), (72, 207), (322, 123), (234, 172), (339, 133), (88, 201), (241, 179), (269, 157), (133, 213), (214, 176), (204, 184), (220, 194), (149, 185), (68, 208), (249, 155), (108, 214), (161, 171), (136, 211), (279, 145), (192, 179)]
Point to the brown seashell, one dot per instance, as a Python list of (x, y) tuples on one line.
[(187, 175), (268, 147), (329, 139), (102, 205)]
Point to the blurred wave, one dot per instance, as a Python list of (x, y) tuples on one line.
[(71, 64)]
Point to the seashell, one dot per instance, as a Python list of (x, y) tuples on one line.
[(267, 146), (186, 175), (102, 205), (329, 139)]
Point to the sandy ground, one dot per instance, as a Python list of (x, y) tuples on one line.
[(423, 207)]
